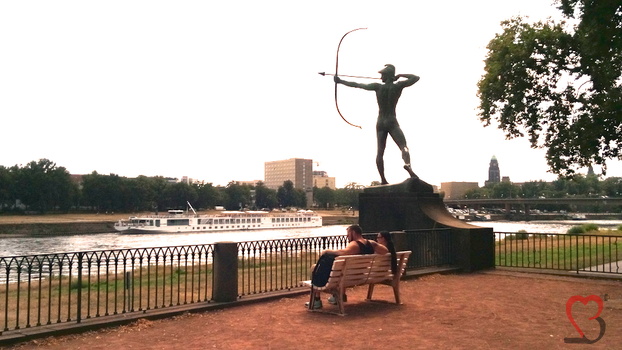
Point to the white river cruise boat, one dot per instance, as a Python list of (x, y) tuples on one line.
[(176, 221)]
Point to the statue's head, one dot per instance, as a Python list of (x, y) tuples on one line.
[(388, 72)]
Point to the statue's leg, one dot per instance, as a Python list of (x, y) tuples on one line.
[(400, 140), (382, 144)]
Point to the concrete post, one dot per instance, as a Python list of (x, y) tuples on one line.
[(225, 272)]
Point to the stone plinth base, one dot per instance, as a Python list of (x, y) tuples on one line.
[(412, 206)]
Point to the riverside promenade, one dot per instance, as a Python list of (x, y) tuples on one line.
[(495, 309)]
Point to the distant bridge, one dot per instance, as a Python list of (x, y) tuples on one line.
[(527, 203), (531, 201)]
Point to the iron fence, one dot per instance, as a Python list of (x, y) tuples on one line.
[(48, 289), (577, 253), (277, 265), (39, 290), (429, 248)]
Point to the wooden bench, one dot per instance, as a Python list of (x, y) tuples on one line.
[(355, 270)]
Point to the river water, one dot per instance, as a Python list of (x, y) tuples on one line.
[(110, 241)]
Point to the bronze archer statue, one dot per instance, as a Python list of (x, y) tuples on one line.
[(387, 95)]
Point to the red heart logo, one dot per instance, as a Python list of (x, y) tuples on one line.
[(584, 301)]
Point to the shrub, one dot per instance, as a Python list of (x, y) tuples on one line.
[(519, 235), (576, 230), (590, 227)]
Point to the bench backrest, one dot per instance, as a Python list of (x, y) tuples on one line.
[(354, 270)]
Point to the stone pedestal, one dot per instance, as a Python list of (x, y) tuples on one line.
[(412, 206)]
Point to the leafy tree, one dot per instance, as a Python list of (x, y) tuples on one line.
[(102, 192), (208, 196), (7, 197), (42, 186), (505, 190), (158, 185), (479, 193), (560, 84), (300, 198), (286, 195), (238, 196), (177, 195), (265, 197), (534, 189), (349, 195), (137, 194), (324, 197), (612, 187)]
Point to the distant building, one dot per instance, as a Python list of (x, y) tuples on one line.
[(456, 190), (321, 180), (190, 181), (297, 170), (494, 174)]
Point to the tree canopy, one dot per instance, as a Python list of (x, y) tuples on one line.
[(560, 84)]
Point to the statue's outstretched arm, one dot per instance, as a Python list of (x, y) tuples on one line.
[(371, 86)]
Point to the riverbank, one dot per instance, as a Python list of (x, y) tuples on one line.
[(69, 224)]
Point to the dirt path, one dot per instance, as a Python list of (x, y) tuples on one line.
[(467, 311)]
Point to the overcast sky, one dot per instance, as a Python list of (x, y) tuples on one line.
[(213, 89)]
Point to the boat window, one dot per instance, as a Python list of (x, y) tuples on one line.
[(178, 222)]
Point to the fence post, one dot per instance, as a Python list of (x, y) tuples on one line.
[(128, 288), (225, 287), (79, 297)]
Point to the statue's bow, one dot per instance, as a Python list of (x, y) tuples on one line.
[(337, 74)]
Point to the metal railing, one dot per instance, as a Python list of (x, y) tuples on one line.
[(278, 265), (429, 248), (564, 252), (49, 289), (41, 290)]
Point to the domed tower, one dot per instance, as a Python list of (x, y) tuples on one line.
[(494, 175)]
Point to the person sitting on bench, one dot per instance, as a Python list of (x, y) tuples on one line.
[(357, 245)]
